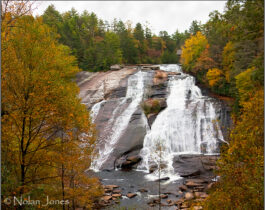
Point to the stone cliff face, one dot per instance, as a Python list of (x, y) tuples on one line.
[(110, 88), (95, 87)]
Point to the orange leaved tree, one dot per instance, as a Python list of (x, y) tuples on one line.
[(47, 136)]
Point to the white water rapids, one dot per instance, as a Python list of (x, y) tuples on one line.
[(134, 93), (188, 123)]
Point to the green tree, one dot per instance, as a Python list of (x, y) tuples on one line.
[(53, 18), (138, 34), (194, 27)]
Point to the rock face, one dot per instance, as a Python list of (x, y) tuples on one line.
[(131, 140), (112, 87), (95, 86), (159, 91), (193, 173), (226, 122)]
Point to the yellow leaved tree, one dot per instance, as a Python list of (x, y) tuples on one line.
[(244, 84), (228, 60), (192, 50), (47, 135), (213, 76)]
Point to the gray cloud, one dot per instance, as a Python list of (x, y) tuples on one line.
[(161, 15)]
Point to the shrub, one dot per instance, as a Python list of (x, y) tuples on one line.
[(151, 106)]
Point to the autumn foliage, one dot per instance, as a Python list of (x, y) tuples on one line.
[(192, 50), (47, 135), (232, 64), (241, 165), (214, 76)]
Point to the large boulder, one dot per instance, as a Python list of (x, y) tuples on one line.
[(151, 118), (107, 198), (191, 173), (183, 188), (131, 195), (193, 165), (134, 159), (152, 107), (130, 162), (152, 168), (200, 195), (115, 67)]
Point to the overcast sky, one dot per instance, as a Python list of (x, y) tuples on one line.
[(160, 15)]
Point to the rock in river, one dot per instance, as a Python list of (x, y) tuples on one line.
[(131, 195)]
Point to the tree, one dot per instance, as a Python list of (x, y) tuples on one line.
[(246, 21), (192, 50), (241, 166), (217, 32), (129, 47), (245, 85), (39, 102), (53, 18), (169, 57), (12, 10), (108, 51), (138, 34), (214, 76), (194, 27), (228, 60), (180, 38)]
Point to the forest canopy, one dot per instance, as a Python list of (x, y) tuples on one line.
[(97, 44)]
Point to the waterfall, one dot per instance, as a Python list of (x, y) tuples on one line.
[(118, 125), (187, 126), (95, 109)]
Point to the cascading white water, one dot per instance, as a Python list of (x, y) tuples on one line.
[(183, 127), (95, 109), (135, 90)]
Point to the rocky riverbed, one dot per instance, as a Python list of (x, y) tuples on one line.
[(131, 189)]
